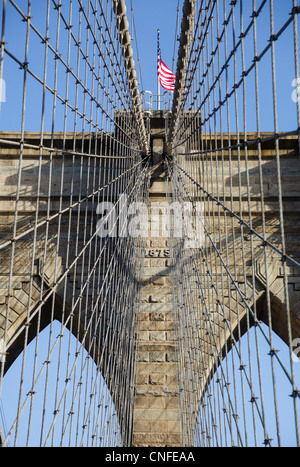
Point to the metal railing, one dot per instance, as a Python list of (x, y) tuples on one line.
[(152, 102)]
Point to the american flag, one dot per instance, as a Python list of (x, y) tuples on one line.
[(166, 77)]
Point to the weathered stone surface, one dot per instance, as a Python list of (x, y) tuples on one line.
[(156, 412), (156, 382)]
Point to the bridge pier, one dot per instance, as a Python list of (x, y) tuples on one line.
[(156, 403), (156, 413)]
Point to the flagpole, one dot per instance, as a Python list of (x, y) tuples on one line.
[(158, 83)]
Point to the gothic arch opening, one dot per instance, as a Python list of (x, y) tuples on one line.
[(55, 395), (250, 402)]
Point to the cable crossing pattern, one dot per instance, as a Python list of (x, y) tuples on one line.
[(78, 170), (241, 273)]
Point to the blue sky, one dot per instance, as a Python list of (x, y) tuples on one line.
[(149, 16), (160, 15)]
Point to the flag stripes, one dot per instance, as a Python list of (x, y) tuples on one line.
[(167, 79)]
